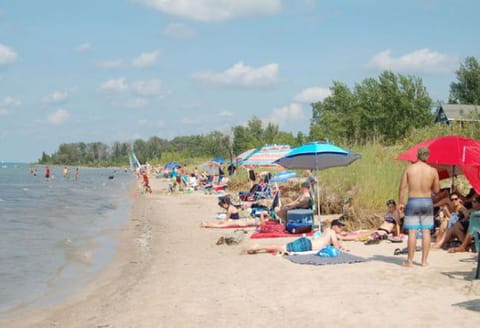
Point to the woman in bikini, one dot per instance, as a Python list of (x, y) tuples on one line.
[(232, 217), (391, 224)]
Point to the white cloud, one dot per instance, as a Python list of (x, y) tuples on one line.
[(149, 88), (56, 97), (7, 104), (145, 59), (178, 30), (312, 95), (114, 85), (419, 61), (242, 75), (214, 10), (282, 115), (84, 47), (136, 103), (109, 64), (225, 114), (142, 88), (58, 117), (9, 101), (152, 123), (7, 55)]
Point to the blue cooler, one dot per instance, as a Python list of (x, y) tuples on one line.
[(299, 221)]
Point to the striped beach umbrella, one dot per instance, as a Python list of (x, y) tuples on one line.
[(265, 156)]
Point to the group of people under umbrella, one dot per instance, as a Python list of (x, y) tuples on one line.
[(431, 160)]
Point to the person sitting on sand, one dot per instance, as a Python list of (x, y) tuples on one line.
[(441, 222), (456, 224), (474, 214), (232, 217), (304, 244), (391, 224)]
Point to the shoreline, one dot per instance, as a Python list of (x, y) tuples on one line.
[(125, 252), (168, 272)]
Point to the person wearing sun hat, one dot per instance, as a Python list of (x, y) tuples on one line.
[(303, 201), (422, 182)]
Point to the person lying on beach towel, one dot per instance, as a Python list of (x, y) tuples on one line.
[(304, 244), (391, 224), (232, 217)]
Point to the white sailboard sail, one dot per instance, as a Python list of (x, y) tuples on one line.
[(134, 163)]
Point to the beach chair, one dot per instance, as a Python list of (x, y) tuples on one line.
[(250, 196), (256, 210), (474, 231)]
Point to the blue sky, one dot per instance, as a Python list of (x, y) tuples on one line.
[(73, 71)]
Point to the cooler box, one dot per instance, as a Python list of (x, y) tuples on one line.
[(299, 221)]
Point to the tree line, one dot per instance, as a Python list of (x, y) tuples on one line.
[(386, 109)]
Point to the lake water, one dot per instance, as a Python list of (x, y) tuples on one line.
[(56, 233)]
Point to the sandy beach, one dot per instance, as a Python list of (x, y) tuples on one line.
[(169, 272)]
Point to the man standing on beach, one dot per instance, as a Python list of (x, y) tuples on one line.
[(422, 182)]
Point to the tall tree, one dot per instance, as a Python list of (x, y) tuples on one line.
[(467, 89), (332, 117), (387, 108)]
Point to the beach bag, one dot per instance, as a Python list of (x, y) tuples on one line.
[(272, 227), (329, 251)]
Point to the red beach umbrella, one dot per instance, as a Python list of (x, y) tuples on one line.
[(451, 155)]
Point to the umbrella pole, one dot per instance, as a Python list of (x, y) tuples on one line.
[(453, 179), (318, 205)]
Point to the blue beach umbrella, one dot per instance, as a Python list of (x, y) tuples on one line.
[(218, 160), (283, 176), (317, 156), (171, 165)]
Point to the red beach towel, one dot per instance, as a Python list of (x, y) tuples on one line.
[(258, 235)]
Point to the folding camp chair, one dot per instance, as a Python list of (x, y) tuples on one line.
[(258, 209)]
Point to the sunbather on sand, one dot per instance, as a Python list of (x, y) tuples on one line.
[(232, 218), (329, 237), (389, 225)]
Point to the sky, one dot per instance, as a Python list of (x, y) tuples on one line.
[(120, 70)]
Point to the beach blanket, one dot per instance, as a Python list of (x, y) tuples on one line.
[(236, 226), (258, 235), (314, 259)]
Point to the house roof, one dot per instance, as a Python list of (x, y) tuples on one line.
[(457, 112)]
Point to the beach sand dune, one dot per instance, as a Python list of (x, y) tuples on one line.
[(168, 272)]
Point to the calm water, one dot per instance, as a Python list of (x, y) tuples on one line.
[(56, 234)]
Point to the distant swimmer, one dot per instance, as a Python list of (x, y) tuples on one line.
[(66, 172), (47, 173), (77, 174), (111, 177)]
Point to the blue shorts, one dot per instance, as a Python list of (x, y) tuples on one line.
[(300, 245), (418, 214)]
